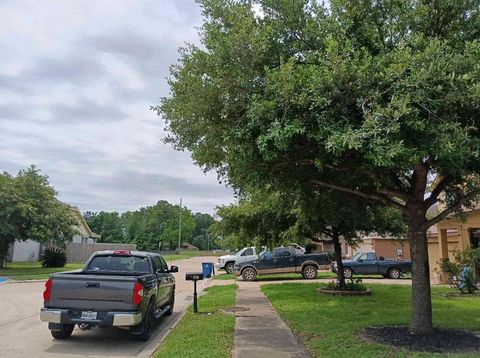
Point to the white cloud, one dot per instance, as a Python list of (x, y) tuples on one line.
[(76, 84)]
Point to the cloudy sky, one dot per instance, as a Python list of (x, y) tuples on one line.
[(77, 79)]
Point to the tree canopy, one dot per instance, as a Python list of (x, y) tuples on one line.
[(29, 210), (152, 227), (378, 99)]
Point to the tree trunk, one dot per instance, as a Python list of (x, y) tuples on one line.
[(421, 322), (338, 258), (4, 244)]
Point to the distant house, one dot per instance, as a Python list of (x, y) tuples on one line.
[(187, 246), (85, 235), (386, 246), (30, 250)]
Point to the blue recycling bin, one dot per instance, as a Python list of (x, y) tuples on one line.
[(207, 269)]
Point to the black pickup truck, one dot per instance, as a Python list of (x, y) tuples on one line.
[(282, 260), (115, 288)]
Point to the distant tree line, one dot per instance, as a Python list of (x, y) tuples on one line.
[(153, 227)]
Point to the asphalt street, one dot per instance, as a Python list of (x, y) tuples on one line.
[(22, 334)]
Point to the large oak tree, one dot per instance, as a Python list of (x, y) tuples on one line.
[(378, 99)]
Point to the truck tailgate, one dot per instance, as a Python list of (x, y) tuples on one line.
[(92, 292)]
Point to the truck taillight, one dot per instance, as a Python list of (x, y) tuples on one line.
[(122, 252), (137, 293), (48, 290)]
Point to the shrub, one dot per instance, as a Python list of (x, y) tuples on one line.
[(54, 257), (463, 270), (350, 285)]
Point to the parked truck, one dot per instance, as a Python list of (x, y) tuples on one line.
[(128, 289), (226, 262), (282, 260), (367, 263)]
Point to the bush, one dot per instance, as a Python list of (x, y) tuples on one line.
[(462, 271), (350, 285), (54, 257)]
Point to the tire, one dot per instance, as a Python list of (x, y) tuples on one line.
[(146, 325), (171, 303), (229, 267), (64, 333), (394, 273), (309, 272), (347, 272), (249, 274)]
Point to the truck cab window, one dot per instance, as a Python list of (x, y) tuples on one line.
[(248, 252)]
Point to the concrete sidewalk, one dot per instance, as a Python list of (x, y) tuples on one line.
[(259, 330)]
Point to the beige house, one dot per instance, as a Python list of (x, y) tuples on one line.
[(450, 234), (84, 234)]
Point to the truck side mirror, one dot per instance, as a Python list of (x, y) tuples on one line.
[(361, 260), (174, 269)]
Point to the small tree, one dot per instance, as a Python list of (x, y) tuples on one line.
[(29, 210)]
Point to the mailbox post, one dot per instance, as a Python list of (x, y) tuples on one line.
[(194, 276)]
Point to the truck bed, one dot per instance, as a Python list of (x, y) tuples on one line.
[(88, 291)]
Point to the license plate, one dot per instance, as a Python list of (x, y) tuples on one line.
[(88, 315)]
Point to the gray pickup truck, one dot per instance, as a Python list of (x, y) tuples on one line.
[(282, 260), (128, 289)]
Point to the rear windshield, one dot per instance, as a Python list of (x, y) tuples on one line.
[(115, 263)]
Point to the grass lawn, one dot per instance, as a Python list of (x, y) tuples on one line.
[(225, 276), (188, 254), (278, 277), (203, 334), (327, 325), (33, 270)]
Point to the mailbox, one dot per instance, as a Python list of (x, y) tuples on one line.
[(194, 276)]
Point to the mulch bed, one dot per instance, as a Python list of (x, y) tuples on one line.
[(329, 292), (441, 341)]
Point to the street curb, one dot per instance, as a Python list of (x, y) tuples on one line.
[(25, 281), (180, 317)]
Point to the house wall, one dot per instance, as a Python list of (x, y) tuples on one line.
[(388, 248), (26, 251), (454, 243), (80, 239), (366, 245)]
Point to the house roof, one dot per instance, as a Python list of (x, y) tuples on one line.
[(82, 225)]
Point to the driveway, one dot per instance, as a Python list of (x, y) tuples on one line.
[(22, 334)]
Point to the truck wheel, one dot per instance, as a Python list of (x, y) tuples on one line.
[(394, 273), (347, 272), (171, 303), (64, 333), (229, 267), (249, 274), (310, 272), (146, 325)]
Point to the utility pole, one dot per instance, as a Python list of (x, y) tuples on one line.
[(180, 227)]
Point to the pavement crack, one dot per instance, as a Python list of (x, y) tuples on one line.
[(16, 320)]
